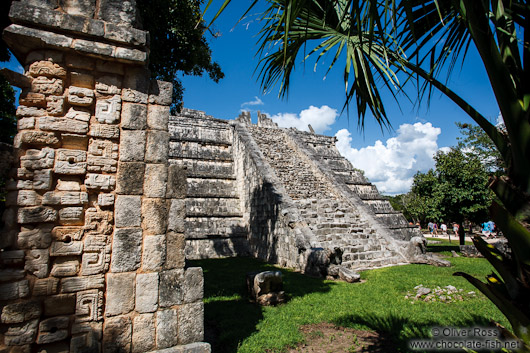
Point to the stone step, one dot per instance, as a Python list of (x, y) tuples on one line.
[(220, 227), (214, 207), (206, 169), (208, 188), (197, 150)]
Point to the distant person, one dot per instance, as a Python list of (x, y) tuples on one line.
[(430, 225), (435, 229), (443, 227), (486, 229), (455, 228)]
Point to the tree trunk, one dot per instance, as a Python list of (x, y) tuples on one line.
[(461, 233)]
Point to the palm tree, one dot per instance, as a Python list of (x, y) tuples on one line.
[(386, 44)]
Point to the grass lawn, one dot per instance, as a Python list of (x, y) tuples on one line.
[(233, 324)]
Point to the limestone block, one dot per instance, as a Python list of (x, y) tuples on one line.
[(154, 253), (154, 215), (171, 288), (30, 111), (42, 179), (65, 198), (167, 328), (36, 138), (11, 274), (81, 79), (108, 85), (102, 156), (79, 7), (32, 99), (79, 62), (38, 159), (22, 173), (177, 216), (100, 181), (193, 285), (14, 290), (191, 323), (176, 182), (89, 306), (158, 117), (28, 198), (160, 92), (69, 248), (35, 238), (51, 123), (105, 200), (175, 256), (71, 215), (98, 222), (126, 250), (91, 47), (118, 11), (146, 287), (128, 211), (143, 334), (60, 304), (132, 146), (155, 180), (37, 262), (53, 329), (134, 116), (120, 293), (74, 141), (157, 147), (104, 131), (21, 334), (117, 334), (71, 162), (130, 178), (64, 267), (124, 34), (45, 286), (55, 105), (78, 284), (136, 86), (26, 123), (17, 313), (79, 114), (39, 214), (47, 69), (89, 340), (110, 67), (67, 233), (108, 110), (12, 257), (47, 85), (95, 261)]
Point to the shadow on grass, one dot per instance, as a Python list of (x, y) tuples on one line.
[(395, 332), (229, 316)]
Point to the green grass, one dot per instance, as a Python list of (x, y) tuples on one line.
[(376, 304)]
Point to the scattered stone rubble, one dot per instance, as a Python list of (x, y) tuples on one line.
[(447, 294), (266, 288)]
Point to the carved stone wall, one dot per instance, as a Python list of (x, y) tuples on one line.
[(92, 255)]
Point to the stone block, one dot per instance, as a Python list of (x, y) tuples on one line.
[(100, 181), (158, 117), (118, 11), (21, 334), (171, 288), (79, 62), (193, 285), (98, 222), (154, 215), (71, 215), (177, 216), (14, 290), (65, 267), (110, 67), (155, 180), (143, 335), (66, 248), (126, 249), (16, 313), (38, 262), (89, 340), (74, 141), (32, 99), (27, 123), (154, 253), (60, 304), (28, 198), (78, 284), (157, 147), (102, 156), (132, 146), (65, 198), (92, 47), (146, 287), (47, 86), (96, 259), (45, 286), (130, 178), (160, 92), (176, 182), (167, 328), (89, 306), (105, 200), (35, 238), (128, 211), (80, 96), (81, 79), (117, 334), (67, 233), (55, 105), (175, 255), (23, 111), (136, 86), (108, 85), (191, 323), (108, 110), (11, 274), (38, 159), (47, 69), (52, 123), (39, 214), (53, 329), (120, 293), (78, 114), (104, 131), (36, 138), (12, 257), (134, 116)]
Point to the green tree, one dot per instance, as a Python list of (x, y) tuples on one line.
[(476, 142), (8, 126)]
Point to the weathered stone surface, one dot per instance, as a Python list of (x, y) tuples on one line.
[(102, 156), (167, 328), (11, 274), (12, 257), (136, 86), (134, 116), (105, 200), (14, 290), (108, 85), (53, 329), (71, 215), (154, 253), (71, 162), (143, 336), (176, 182), (155, 180), (66, 233), (118, 12), (80, 79), (35, 238), (92, 47), (65, 198), (110, 67), (46, 68), (154, 215), (26, 123), (32, 99), (78, 284), (78, 114), (89, 306), (51, 123), (23, 111), (98, 222), (175, 255), (28, 198), (55, 105), (158, 117), (65, 267), (130, 178), (191, 323), (161, 92), (74, 141), (96, 258), (128, 211), (36, 138), (45, 286), (171, 291), (66, 248), (17, 313), (21, 334), (104, 131), (38, 159), (132, 146), (120, 293), (146, 287), (39, 214), (47, 85), (60, 304), (108, 110), (100, 181), (177, 216), (117, 334), (89, 339), (193, 285), (38, 262), (126, 250), (157, 148), (79, 62), (80, 96)]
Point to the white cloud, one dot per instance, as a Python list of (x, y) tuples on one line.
[(256, 101), (320, 119), (391, 166)]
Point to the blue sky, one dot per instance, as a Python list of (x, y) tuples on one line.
[(389, 158)]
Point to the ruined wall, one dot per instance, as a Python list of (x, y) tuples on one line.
[(93, 253)]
